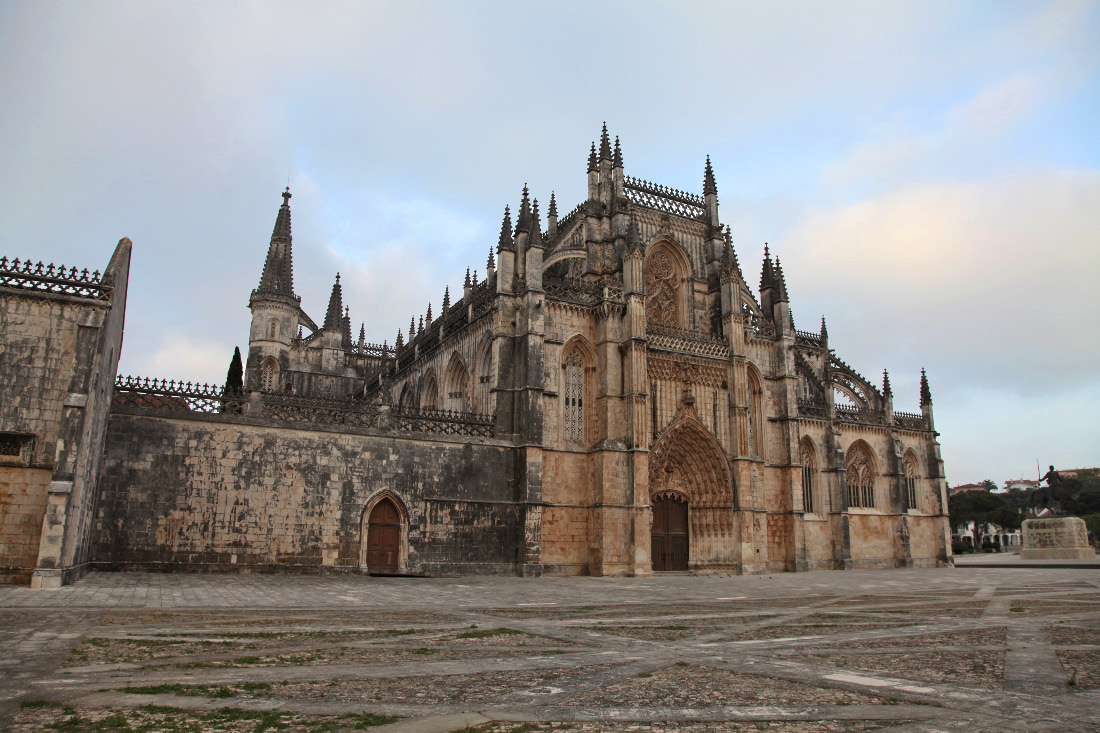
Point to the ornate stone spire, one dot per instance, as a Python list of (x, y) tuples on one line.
[(709, 186), (347, 327), (428, 318), (466, 284), (278, 274), (824, 330), (505, 242), (491, 264), (523, 220), (593, 161), (412, 327), (334, 315), (767, 272), (400, 342), (553, 210), (886, 383), (536, 224), (781, 282), (446, 300), (925, 393), (362, 334), (617, 159), (605, 144)]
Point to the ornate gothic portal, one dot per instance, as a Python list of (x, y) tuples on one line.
[(688, 464)]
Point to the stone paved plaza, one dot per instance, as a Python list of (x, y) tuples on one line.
[(963, 649)]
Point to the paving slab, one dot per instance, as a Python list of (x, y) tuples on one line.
[(975, 648)]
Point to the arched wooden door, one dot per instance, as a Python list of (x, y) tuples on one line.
[(383, 538), (669, 538)]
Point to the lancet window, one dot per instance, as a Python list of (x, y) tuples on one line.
[(809, 467), (909, 480), (860, 478), (573, 392), (755, 416), (269, 374)]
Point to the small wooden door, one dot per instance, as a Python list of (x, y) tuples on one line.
[(383, 538), (669, 538)]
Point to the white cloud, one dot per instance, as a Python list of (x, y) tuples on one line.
[(972, 274)]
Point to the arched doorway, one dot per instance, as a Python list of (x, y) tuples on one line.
[(384, 538), (669, 536)]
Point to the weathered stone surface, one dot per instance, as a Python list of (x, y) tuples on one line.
[(1055, 538)]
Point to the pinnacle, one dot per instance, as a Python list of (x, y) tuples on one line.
[(605, 144), (709, 186), (467, 283), (593, 163), (334, 314), (553, 210), (505, 241), (490, 264), (925, 392), (617, 160), (886, 382), (278, 273)]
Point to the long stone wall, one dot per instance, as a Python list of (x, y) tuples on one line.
[(211, 491)]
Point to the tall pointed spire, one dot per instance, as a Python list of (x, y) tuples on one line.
[(466, 284), (347, 327), (362, 334), (278, 274), (553, 210), (335, 311), (490, 264), (536, 225), (767, 272), (523, 219), (925, 393), (412, 327), (605, 144), (824, 330), (505, 242), (446, 300), (886, 383), (781, 282), (593, 161), (617, 159), (709, 186)]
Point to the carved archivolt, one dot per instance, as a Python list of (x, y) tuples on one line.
[(662, 284)]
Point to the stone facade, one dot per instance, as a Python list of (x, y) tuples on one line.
[(62, 333), (611, 398)]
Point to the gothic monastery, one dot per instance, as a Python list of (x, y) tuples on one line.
[(610, 398)]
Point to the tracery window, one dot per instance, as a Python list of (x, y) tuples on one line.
[(809, 466), (574, 397), (860, 478), (269, 374), (909, 480), (662, 286)]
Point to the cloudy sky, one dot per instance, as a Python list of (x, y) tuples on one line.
[(929, 172)]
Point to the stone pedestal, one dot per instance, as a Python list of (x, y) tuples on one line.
[(1056, 538)]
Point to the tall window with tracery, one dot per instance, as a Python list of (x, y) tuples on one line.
[(269, 374), (808, 467), (860, 478), (574, 397), (662, 286), (755, 416), (909, 478)]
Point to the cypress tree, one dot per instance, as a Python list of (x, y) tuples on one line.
[(234, 379)]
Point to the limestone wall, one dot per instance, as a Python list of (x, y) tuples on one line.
[(214, 491)]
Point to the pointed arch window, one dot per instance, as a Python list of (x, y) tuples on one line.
[(909, 480), (860, 478), (573, 419), (269, 374), (755, 415), (809, 468)]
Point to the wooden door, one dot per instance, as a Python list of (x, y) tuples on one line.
[(383, 538), (669, 537)]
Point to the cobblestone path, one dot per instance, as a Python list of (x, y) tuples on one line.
[(975, 649)]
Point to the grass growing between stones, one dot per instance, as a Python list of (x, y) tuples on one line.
[(167, 719)]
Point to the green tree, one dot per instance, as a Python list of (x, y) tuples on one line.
[(988, 484), (1017, 498), (234, 379), (983, 509), (1085, 500)]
